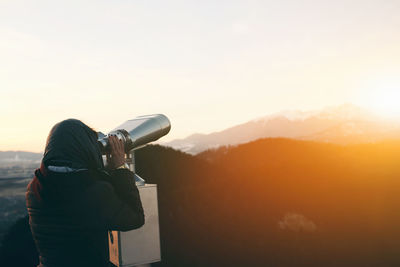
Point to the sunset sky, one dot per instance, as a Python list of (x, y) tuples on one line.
[(207, 65)]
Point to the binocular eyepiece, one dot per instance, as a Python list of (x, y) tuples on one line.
[(137, 132)]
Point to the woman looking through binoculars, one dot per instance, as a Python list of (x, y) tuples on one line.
[(74, 200)]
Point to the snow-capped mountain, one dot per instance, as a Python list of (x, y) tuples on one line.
[(342, 124), (343, 112)]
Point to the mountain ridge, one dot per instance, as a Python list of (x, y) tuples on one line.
[(358, 125)]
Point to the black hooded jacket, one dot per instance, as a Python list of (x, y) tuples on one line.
[(73, 202)]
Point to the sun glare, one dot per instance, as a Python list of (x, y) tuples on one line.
[(384, 98)]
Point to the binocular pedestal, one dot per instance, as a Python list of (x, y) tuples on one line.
[(142, 245)]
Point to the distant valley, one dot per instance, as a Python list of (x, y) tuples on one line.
[(18, 163)]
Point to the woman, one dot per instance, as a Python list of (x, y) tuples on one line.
[(73, 200)]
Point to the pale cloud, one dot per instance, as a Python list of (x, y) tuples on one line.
[(16, 45), (240, 27)]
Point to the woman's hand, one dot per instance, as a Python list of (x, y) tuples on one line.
[(116, 157)]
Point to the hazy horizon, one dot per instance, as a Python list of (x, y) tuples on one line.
[(346, 112)]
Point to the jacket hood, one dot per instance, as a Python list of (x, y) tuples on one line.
[(73, 144)]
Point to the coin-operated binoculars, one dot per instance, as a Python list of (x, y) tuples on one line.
[(139, 246)]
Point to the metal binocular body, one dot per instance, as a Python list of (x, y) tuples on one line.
[(137, 132)]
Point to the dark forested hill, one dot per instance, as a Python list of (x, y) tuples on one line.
[(314, 200), (278, 202)]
